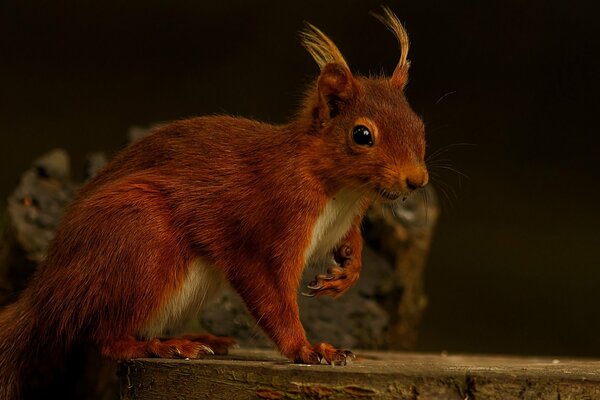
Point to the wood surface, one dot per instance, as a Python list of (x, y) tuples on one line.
[(263, 374)]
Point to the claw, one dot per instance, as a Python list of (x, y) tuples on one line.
[(339, 362), (207, 349), (338, 359), (344, 355), (314, 285), (308, 294), (327, 277)]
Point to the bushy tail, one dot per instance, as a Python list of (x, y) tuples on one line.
[(18, 348)]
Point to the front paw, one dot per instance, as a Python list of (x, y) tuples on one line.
[(333, 356), (339, 278), (306, 355), (323, 352)]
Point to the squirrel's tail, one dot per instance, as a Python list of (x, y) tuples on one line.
[(18, 348)]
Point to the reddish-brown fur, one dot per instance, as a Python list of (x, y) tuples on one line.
[(240, 194)]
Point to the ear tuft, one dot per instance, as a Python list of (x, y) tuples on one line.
[(391, 21), (335, 86), (320, 47)]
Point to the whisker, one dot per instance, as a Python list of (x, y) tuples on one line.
[(448, 187), (442, 188), (447, 147), (449, 168), (394, 213), (444, 96), (434, 161)]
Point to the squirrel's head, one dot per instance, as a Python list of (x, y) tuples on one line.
[(372, 138)]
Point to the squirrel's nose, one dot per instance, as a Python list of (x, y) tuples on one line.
[(417, 179)]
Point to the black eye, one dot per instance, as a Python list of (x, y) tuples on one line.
[(362, 135)]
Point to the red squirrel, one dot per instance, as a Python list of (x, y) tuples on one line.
[(216, 200)]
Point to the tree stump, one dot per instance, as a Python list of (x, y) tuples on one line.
[(260, 374)]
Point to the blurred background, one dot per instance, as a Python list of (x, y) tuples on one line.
[(508, 90)]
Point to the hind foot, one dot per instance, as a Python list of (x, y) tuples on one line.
[(128, 348)]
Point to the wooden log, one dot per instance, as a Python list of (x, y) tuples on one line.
[(262, 374)]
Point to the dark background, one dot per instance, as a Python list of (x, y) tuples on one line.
[(515, 264)]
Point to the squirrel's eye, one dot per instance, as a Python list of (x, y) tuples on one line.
[(362, 135)]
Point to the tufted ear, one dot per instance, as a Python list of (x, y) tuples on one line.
[(335, 86), (335, 89), (391, 21)]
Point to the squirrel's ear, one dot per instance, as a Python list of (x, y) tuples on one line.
[(335, 89), (335, 86)]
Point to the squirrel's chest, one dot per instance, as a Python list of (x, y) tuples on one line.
[(332, 224)]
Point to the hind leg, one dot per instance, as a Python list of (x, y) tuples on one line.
[(136, 274), (128, 348)]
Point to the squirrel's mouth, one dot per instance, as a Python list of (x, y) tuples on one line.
[(388, 195)]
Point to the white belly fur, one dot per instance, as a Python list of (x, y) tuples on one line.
[(332, 225), (204, 281), (201, 285)]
